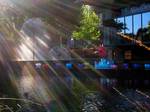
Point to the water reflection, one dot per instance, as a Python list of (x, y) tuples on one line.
[(31, 83), (53, 86), (108, 83)]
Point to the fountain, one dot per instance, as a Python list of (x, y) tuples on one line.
[(37, 45)]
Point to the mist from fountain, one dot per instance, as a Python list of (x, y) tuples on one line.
[(37, 45)]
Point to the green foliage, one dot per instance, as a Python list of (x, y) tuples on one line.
[(89, 25), (112, 23), (144, 33), (147, 34), (148, 28)]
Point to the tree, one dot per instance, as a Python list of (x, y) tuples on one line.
[(144, 33), (112, 23), (148, 32), (89, 25)]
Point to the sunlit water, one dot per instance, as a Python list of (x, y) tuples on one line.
[(47, 88), (112, 98), (33, 85)]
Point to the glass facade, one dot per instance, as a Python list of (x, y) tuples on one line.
[(137, 23), (120, 20), (134, 22), (146, 19), (128, 23)]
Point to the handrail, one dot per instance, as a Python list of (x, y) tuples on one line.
[(138, 42)]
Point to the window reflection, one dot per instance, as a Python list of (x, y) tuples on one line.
[(128, 21), (146, 19), (121, 20), (137, 23)]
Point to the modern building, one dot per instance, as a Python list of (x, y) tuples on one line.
[(133, 16)]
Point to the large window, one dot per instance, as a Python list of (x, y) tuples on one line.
[(134, 22), (121, 20), (128, 24), (137, 23), (146, 19)]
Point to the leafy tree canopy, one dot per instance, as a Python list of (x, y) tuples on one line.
[(89, 25)]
